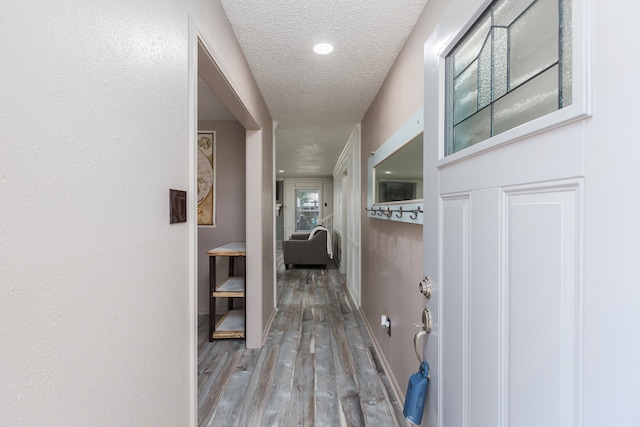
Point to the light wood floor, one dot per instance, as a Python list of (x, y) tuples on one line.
[(317, 367)]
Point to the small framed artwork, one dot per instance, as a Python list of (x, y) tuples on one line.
[(177, 206), (206, 177)]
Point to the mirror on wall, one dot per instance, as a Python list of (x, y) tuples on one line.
[(395, 175), (399, 177)]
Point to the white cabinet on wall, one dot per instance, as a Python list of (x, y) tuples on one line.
[(306, 200)]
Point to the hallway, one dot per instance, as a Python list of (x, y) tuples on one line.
[(318, 366)]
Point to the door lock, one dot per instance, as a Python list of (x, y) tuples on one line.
[(426, 321), (426, 329), (425, 287)]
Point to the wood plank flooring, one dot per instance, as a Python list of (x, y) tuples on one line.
[(317, 367)]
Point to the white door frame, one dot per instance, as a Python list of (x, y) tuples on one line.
[(216, 78), (193, 219)]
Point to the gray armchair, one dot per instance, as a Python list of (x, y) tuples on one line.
[(304, 251)]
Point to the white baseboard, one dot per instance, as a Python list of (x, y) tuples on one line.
[(395, 387), (267, 327)]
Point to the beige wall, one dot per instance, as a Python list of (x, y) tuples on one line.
[(95, 301), (230, 201), (392, 251), (96, 310)]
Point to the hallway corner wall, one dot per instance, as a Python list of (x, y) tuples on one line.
[(95, 298)]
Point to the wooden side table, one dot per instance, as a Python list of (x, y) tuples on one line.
[(232, 324)]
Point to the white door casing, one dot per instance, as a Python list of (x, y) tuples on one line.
[(346, 176), (503, 243)]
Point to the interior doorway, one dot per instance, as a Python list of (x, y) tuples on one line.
[(215, 107)]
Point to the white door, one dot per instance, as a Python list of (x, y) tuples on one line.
[(503, 240)]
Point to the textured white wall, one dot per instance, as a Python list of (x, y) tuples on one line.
[(95, 311), (94, 325)]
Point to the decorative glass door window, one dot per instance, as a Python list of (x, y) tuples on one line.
[(512, 66), (307, 209)]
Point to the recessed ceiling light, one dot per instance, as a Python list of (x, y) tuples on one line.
[(323, 48), (280, 171)]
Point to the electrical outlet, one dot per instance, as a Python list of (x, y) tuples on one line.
[(385, 322)]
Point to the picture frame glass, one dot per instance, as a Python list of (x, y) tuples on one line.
[(206, 178)]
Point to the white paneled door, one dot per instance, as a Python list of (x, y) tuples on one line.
[(503, 241), (509, 300)]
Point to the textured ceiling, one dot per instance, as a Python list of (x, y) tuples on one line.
[(317, 100)]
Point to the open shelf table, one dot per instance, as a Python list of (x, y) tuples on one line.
[(233, 323)]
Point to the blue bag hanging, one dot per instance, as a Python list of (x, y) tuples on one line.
[(416, 395)]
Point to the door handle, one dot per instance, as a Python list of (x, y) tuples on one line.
[(426, 329)]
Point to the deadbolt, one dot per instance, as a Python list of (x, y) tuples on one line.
[(425, 287)]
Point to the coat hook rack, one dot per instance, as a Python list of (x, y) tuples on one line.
[(413, 213)]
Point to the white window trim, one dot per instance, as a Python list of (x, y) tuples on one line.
[(581, 91)]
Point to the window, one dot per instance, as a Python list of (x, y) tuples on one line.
[(307, 209), (511, 67)]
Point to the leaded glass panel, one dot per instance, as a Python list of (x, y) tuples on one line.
[(512, 66), (470, 46), (530, 101), (530, 55), (484, 75), (506, 11), (466, 93), (475, 129), (566, 65), (500, 62)]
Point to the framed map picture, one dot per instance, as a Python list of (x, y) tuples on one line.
[(206, 177)]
